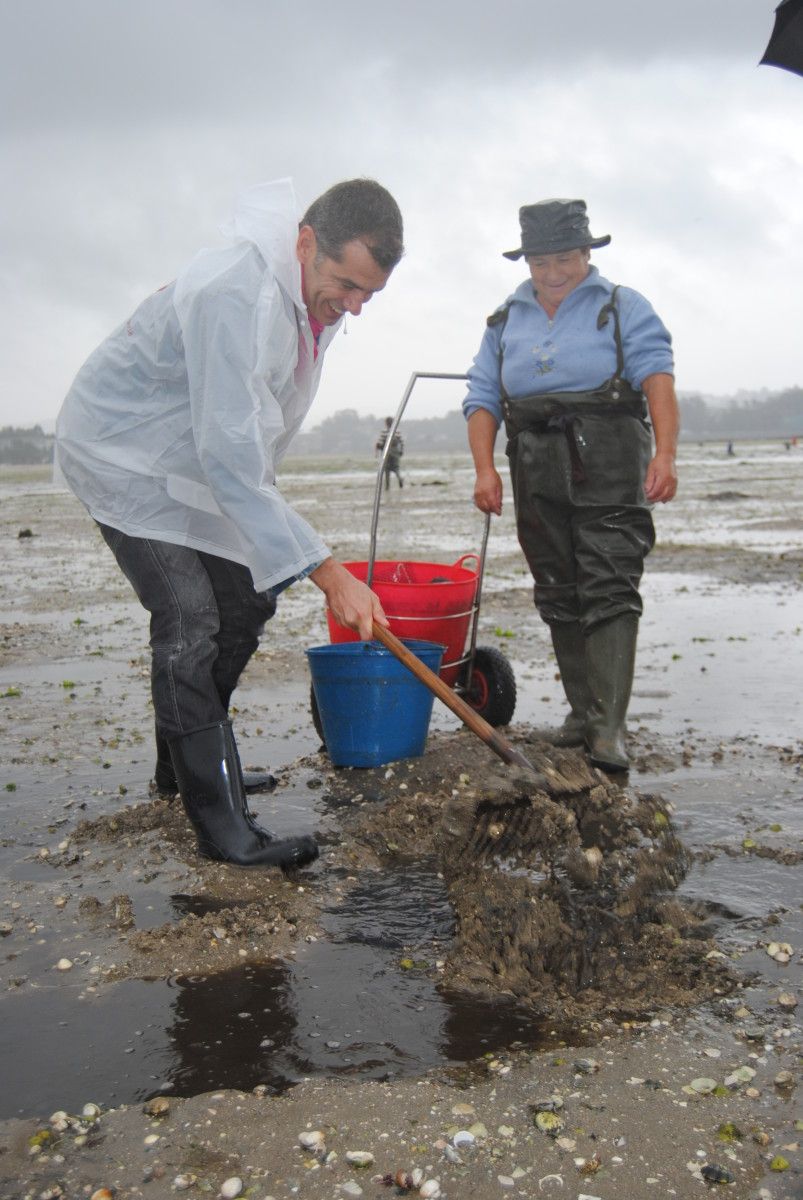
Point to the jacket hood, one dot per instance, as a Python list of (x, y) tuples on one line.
[(268, 215)]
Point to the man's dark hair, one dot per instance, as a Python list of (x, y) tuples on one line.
[(357, 208)]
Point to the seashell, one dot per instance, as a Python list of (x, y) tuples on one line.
[(64, 964), (90, 1112), (159, 1106), (740, 1075), (231, 1188), (182, 1182), (430, 1189), (403, 1180), (359, 1158), (787, 1000), (311, 1139), (549, 1123), (102, 1193), (417, 1176), (784, 1079), (716, 1174), (463, 1138)]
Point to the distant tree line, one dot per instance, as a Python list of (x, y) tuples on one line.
[(778, 414), (747, 415), (25, 447)]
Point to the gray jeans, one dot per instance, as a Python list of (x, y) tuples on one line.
[(206, 620)]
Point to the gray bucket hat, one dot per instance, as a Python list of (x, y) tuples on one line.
[(551, 226)]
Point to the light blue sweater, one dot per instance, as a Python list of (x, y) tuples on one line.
[(567, 353)]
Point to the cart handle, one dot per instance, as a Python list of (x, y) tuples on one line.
[(386, 451)]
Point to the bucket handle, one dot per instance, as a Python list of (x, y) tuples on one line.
[(467, 558)]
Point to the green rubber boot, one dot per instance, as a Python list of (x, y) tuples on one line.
[(611, 659), (569, 643)]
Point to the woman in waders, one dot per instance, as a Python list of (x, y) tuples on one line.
[(575, 366)]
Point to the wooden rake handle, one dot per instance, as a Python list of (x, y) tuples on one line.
[(467, 715)]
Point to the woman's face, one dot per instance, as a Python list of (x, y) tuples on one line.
[(555, 275)]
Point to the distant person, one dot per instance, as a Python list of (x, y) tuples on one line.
[(571, 364), (394, 456), (171, 435), (730, 451)]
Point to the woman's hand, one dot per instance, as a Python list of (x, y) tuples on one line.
[(351, 602), (661, 480), (488, 491), (482, 429)]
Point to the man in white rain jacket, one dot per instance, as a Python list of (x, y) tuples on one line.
[(171, 435)]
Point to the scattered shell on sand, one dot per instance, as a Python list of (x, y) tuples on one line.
[(159, 1106), (64, 964), (549, 1123), (231, 1188), (182, 1182), (740, 1075), (780, 951), (311, 1139), (430, 1189), (703, 1085), (359, 1158), (787, 1000)]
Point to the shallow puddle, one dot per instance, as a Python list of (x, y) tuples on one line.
[(346, 1006)]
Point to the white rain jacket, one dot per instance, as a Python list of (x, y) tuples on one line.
[(175, 425)]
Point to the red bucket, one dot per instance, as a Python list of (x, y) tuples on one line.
[(428, 601)]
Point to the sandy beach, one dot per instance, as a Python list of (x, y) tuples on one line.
[(174, 1025)]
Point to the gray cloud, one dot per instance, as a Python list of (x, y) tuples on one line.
[(127, 131)]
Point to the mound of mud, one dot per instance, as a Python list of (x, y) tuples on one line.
[(561, 883)]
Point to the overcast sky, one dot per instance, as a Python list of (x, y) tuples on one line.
[(128, 129)]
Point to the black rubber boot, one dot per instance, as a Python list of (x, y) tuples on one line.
[(209, 776), (165, 783), (569, 643), (611, 659)]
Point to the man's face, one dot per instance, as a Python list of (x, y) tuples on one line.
[(332, 288), (555, 275)]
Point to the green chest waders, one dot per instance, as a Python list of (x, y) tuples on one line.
[(577, 466)]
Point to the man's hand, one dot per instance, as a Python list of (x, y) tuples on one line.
[(488, 491), (661, 480), (351, 602)]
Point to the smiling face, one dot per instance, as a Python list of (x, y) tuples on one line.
[(555, 275), (331, 288)]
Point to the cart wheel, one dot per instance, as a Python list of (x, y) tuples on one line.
[(316, 716), (492, 687)]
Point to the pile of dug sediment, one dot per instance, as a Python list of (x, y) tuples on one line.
[(562, 883)]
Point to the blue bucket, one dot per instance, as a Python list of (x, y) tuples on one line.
[(373, 710)]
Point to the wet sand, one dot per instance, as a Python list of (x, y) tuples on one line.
[(429, 1018)]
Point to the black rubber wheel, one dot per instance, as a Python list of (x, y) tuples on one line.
[(316, 716), (492, 687)]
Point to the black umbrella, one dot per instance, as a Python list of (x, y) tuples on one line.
[(785, 47)]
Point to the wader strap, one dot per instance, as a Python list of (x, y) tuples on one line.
[(611, 309)]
